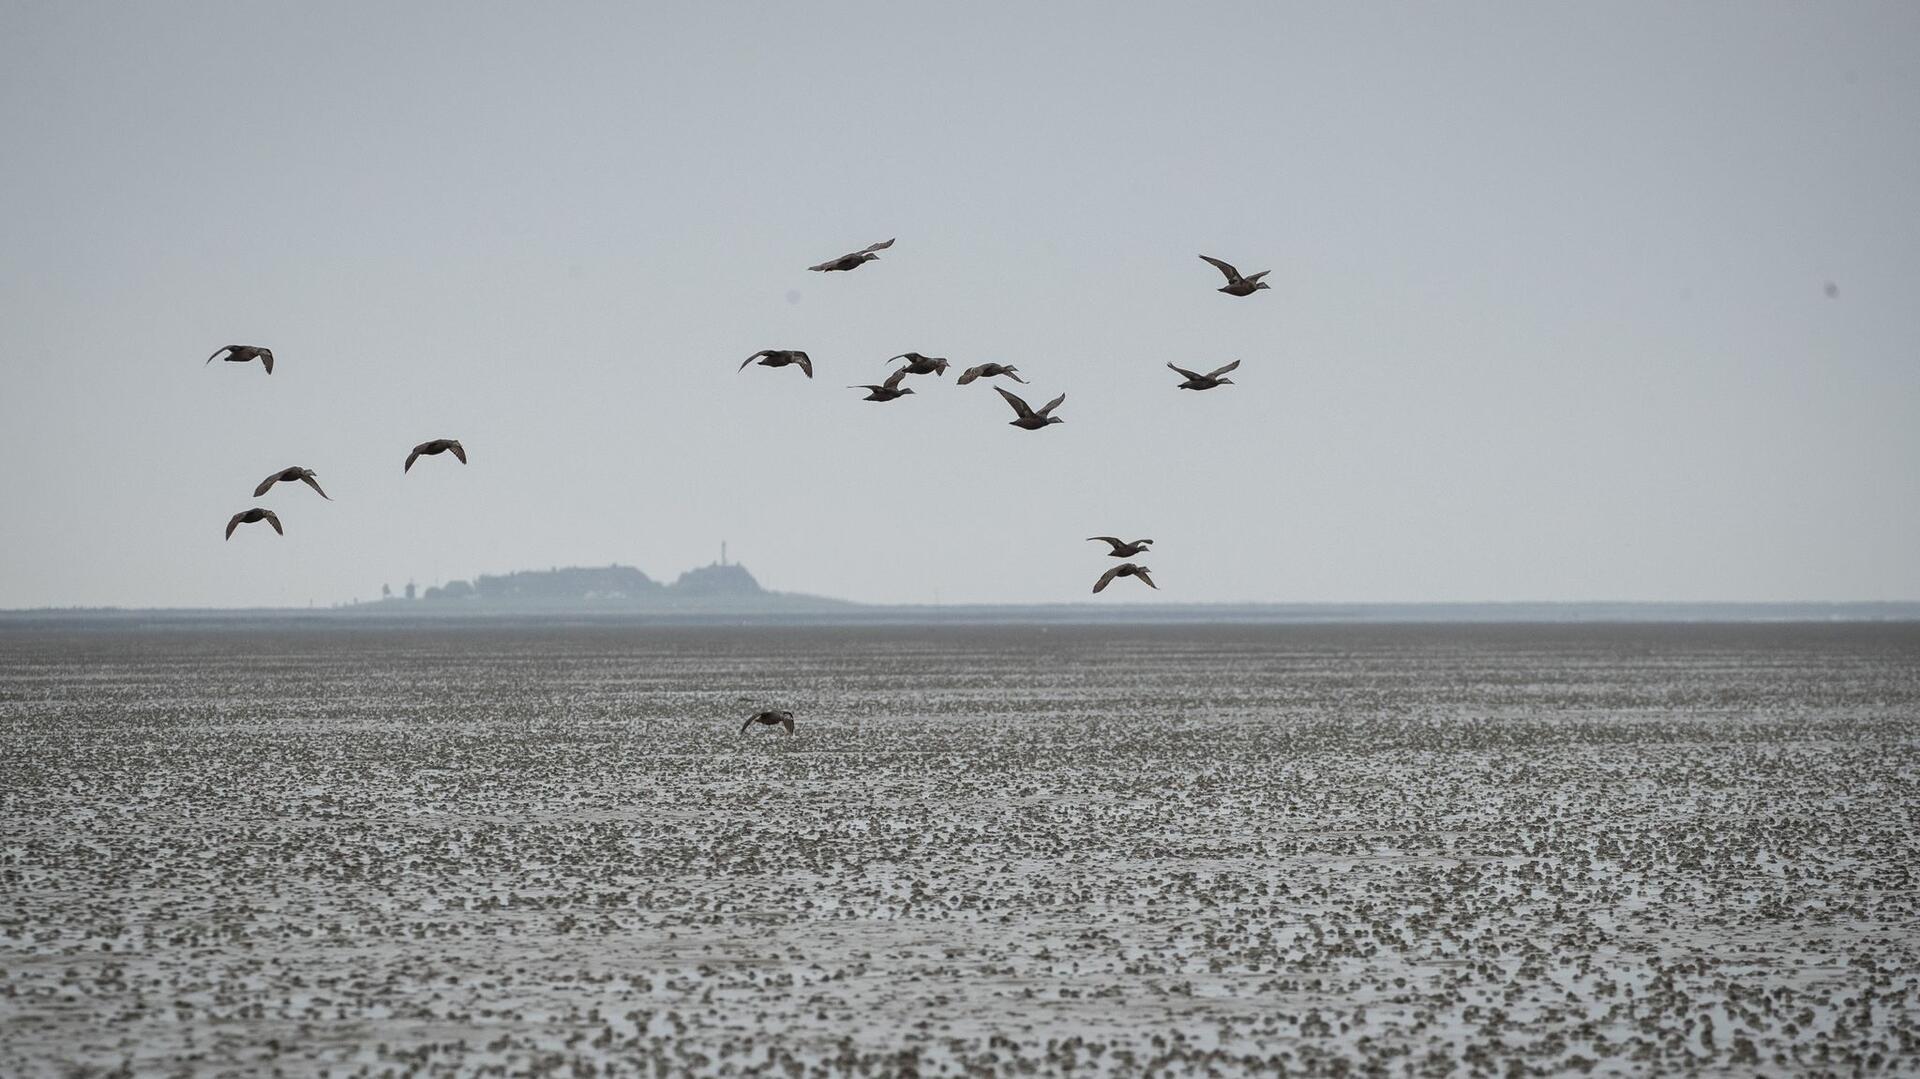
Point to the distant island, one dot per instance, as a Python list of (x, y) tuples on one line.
[(720, 588)]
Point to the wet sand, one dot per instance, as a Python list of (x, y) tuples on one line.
[(1403, 850)]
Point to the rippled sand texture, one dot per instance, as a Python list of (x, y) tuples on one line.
[(1009, 850)]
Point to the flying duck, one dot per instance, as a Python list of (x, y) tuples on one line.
[(245, 354), (1028, 419), (1237, 285), (438, 445), (290, 475), (854, 260), (888, 390), (781, 357), (773, 717), (1196, 381), (247, 517), (921, 365), (988, 370), (1121, 548), (1125, 569)]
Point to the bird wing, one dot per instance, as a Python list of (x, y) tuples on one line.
[(273, 519), (871, 248), (411, 458), (755, 356), (459, 451), (1142, 574), (1184, 371), (1107, 578), (234, 523), (827, 265), (1218, 371), (787, 722), (893, 380), (748, 723), (913, 356), (218, 351), (805, 361), (1113, 540), (1258, 276), (265, 485), (970, 374), (266, 359), (1009, 372), (1053, 404), (1233, 275), (1019, 406), (315, 484)]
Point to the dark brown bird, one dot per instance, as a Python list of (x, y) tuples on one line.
[(1125, 569), (1121, 548), (781, 357), (290, 475), (988, 370), (888, 390), (1237, 285), (438, 445), (855, 260), (1197, 381), (245, 354), (921, 365), (773, 717), (1028, 419), (247, 517)]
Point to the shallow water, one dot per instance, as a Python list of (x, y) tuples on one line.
[(1007, 849)]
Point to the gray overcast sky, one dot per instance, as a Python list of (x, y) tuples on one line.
[(1547, 317)]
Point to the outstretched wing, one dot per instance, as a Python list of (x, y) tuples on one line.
[(1142, 574), (1184, 372), (748, 723), (412, 457), (1106, 578), (234, 523), (218, 351), (787, 721), (265, 485), (871, 248), (273, 519), (1218, 371), (805, 361), (893, 380), (1113, 541), (757, 355), (315, 484), (266, 359), (1258, 276), (459, 451), (1009, 372), (1233, 275), (1019, 406), (1053, 404), (970, 374)]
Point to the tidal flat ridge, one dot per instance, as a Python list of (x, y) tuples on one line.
[(989, 849)]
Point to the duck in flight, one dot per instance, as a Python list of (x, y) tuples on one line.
[(781, 357), (291, 475), (988, 370), (853, 260), (1121, 548), (1028, 419), (921, 365), (438, 445), (1237, 285), (1125, 569), (772, 717), (247, 517), (1197, 381), (245, 354), (888, 390)]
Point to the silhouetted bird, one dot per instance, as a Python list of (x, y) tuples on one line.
[(1237, 285), (1121, 548), (921, 365), (781, 357), (773, 717), (887, 390), (1125, 569), (289, 475), (245, 354), (247, 517), (988, 370), (1197, 381), (438, 445), (1028, 418), (854, 260)]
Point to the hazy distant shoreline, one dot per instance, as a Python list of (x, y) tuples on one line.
[(852, 614)]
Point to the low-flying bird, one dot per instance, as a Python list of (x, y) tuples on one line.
[(887, 390), (772, 717), (1125, 569), (1197, 381), (853, 260), (438, 445), (1237, 285), (247, 517), (245, 354), (781, 357), (290, 475), (1121, 548), (921, 365), (988, 370), (1028, 419)]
